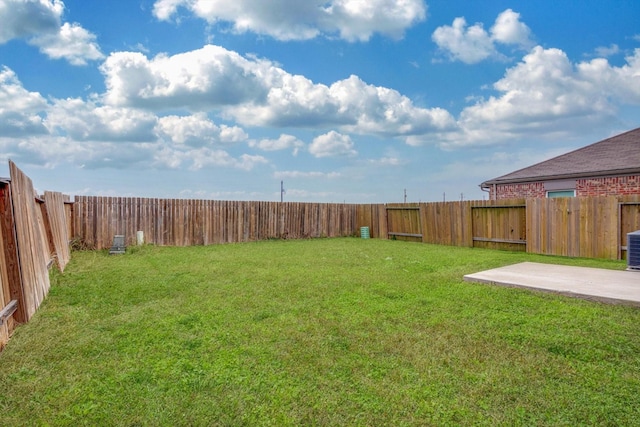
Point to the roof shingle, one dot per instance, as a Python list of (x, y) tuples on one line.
[(619, 154)]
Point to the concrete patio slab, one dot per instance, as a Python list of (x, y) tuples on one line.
[(611, 286)]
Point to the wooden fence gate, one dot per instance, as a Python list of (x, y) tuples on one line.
[(404, 223), (628, 218), (499, 227)]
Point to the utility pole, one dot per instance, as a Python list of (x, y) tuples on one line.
[(282, 191), (405, 195)]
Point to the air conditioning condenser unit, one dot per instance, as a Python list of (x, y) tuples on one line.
[(633, 250)]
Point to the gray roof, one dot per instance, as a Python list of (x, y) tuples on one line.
[(618, 155)]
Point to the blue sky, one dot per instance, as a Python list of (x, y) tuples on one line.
[(344, 100)]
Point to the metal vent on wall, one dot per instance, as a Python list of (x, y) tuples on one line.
[(633, 250)]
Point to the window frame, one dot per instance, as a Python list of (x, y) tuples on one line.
[(568, 190)]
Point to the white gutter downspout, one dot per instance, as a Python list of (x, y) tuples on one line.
[(486, 189)]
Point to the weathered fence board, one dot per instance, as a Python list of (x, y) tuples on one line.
[(199, 222), (33, 233), (593, 227), (404, 222), (629, 220), (499, 226), (576, 227), (447, 223), (9, 264), (5, 269), (57, 225), (33, 248)]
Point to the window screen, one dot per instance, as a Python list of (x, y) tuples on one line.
[(561, 193)]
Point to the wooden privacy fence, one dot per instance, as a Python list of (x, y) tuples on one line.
[(591, 227), (34, 233), (472, 223), (203, 222)]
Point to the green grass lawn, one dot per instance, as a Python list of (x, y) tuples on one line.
[(329, 332)]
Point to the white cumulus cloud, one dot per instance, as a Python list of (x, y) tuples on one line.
[(467, 44), (284, 142), (26, 18), (350, 104), (546, 92), (39, 22), (206, 157), (332, 144), (508, 29), (205, 78), (198, 130), (87, 121), (304, 19), (91, 135), (305, 175), (70, 42), (20, 110), (472, 44), (257, 92), (386, 162), (605, 51)]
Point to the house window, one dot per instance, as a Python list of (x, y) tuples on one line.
[(561, 193)]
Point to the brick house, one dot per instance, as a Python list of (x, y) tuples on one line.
[(606, 168)]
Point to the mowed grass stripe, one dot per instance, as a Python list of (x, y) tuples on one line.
[(316, 332)]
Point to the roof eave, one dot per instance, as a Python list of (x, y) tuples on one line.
[(603, 174)]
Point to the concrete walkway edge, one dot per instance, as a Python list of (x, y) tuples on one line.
[(596, 284)]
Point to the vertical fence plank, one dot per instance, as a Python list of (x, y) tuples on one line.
[(9, 267), (5, 294), (32, 247), (629, 221), (57, 219)]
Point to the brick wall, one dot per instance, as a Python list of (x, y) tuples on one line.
[(611, 186), (517, 191), (620, 185)]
